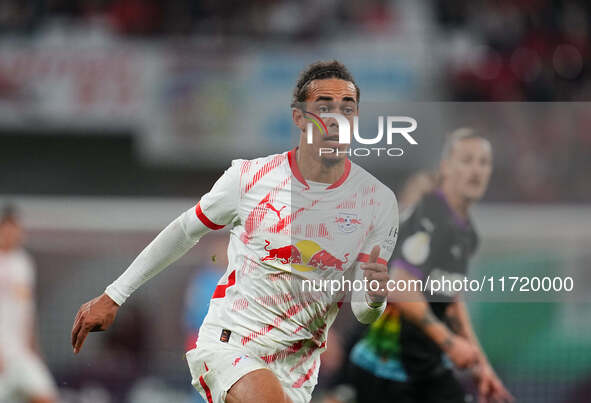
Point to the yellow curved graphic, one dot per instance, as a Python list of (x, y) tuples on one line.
[(307, 249)]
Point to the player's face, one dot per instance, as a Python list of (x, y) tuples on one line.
[(469, 167), (11, 235), (330, 95)]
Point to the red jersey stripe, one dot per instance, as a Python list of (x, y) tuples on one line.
[(265, 169), (220, 290), (364, 257), (206, 221)]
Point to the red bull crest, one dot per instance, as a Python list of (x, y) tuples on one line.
[(347, 222)]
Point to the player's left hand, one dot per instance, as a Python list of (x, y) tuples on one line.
[(375, 271), (96, 315), (490, 387)]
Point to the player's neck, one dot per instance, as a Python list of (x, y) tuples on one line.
[(315, 170), (460, 205)]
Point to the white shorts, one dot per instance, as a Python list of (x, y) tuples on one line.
[(215, 367), (25, 377)]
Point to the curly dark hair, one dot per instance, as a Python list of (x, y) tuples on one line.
[(319, 71)]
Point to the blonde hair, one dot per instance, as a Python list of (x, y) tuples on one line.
[(463, 133)]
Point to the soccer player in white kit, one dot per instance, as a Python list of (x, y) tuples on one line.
[(23, 376), (294, 217)]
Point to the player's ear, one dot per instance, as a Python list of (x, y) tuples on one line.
[(297, 115)]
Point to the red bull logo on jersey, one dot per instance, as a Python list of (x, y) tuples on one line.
[(284, 254), (305, 256), (347, 222), (323, 260)]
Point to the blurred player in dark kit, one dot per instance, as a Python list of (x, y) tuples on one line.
[(407, 354)]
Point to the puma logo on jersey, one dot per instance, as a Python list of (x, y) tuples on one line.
[(271, 207)]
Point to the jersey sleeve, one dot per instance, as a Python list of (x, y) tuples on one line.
[(219, 207), (215, 210), (415, 244), (385, 229)]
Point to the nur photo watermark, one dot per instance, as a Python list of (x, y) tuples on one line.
[(392, 126)]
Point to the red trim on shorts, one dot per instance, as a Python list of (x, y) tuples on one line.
[(206, 389), (206, 221), (364, 257), (220, 290)]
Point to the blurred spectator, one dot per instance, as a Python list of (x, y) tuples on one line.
[(15, 16), (520, 51), (287, 19), (135, 17)]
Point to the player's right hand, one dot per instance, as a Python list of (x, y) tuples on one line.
[(95, 315), (461, 352)]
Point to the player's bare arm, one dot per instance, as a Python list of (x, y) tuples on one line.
[(414, 307), (490, 385)]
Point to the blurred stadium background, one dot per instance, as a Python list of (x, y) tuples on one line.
[(116, 115)]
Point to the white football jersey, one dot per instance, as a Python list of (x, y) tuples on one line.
[(285, 230), (16, 304)]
